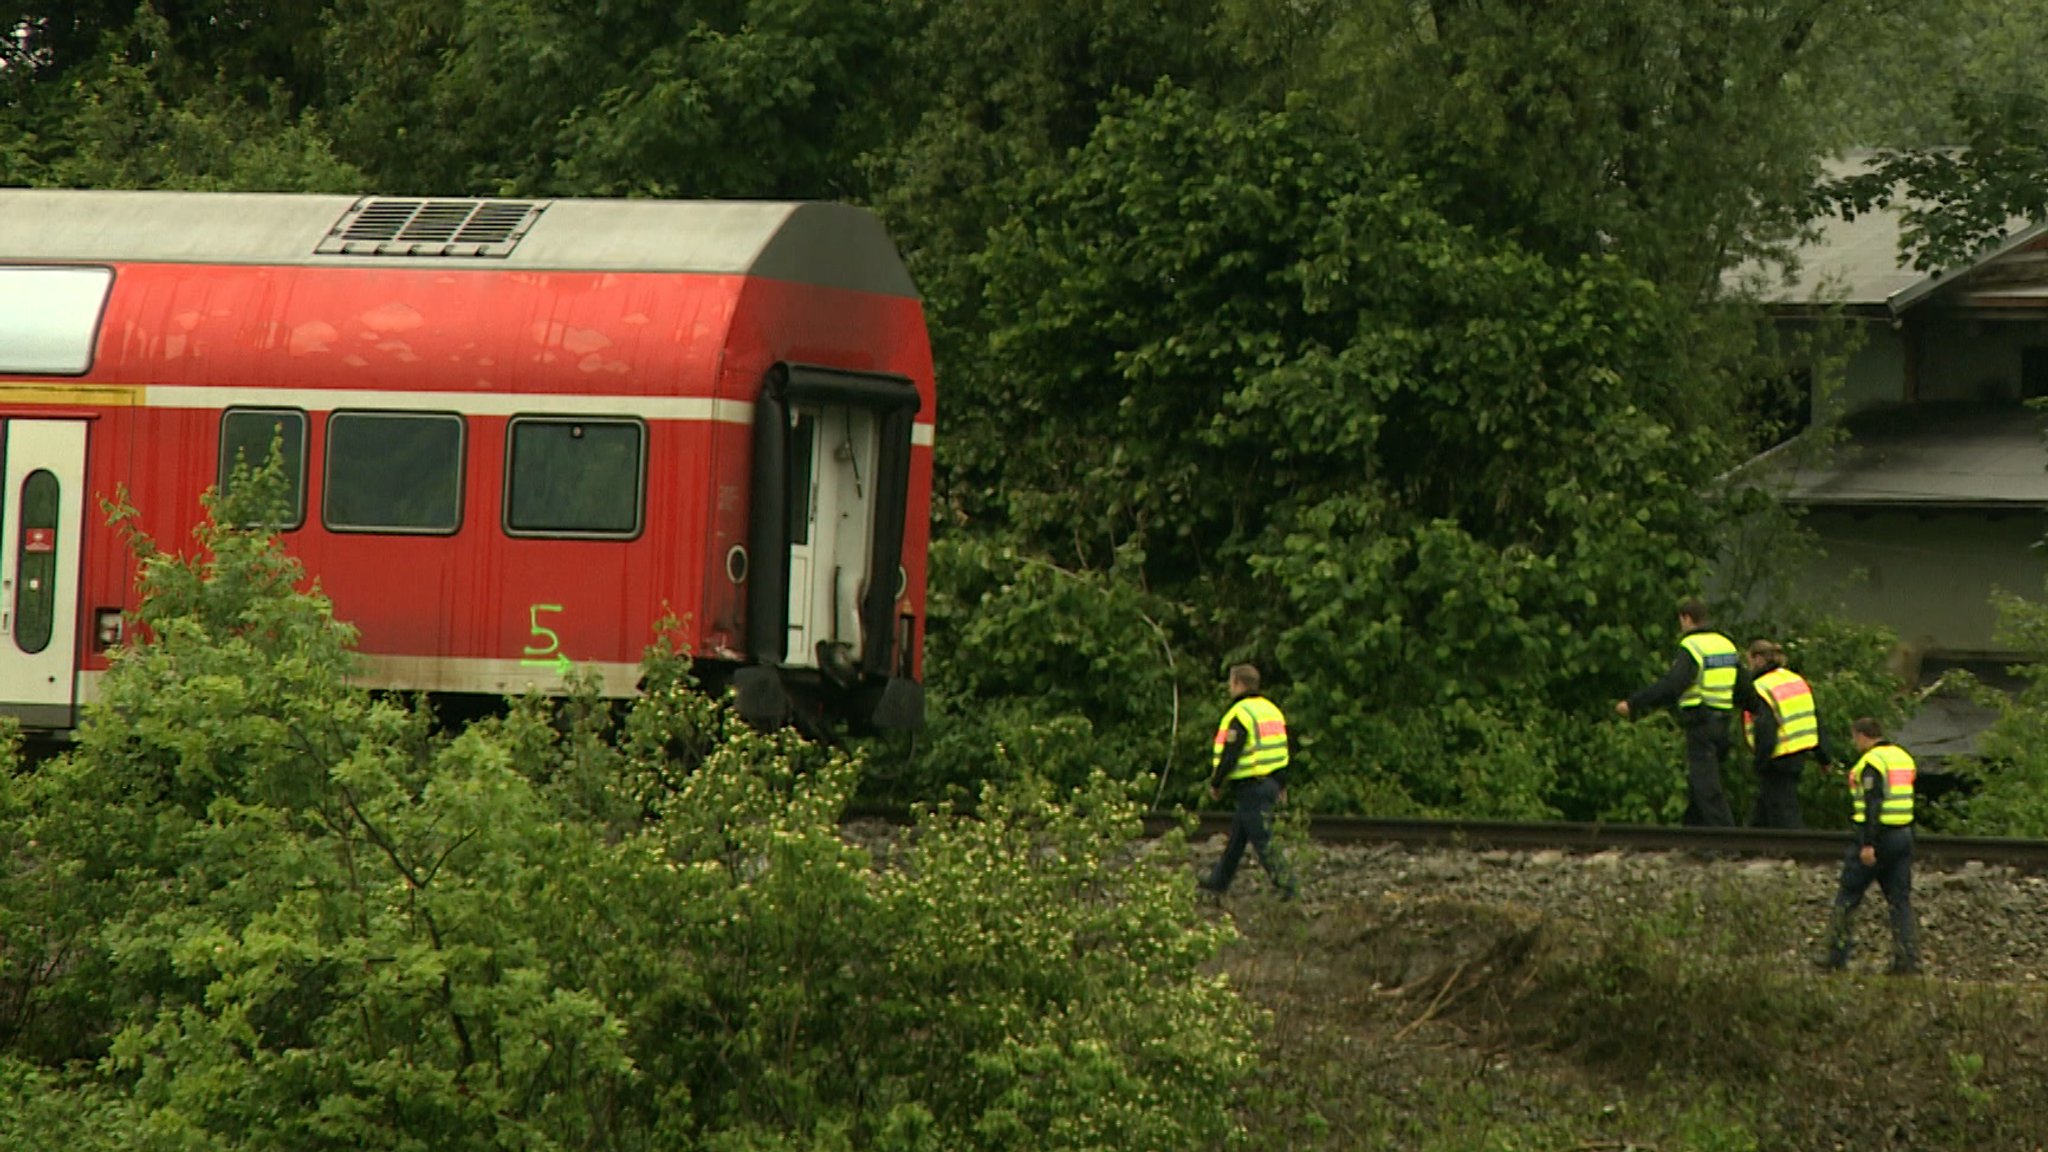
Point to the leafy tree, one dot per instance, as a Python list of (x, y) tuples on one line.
[(2010, 797), (253, 42), (1055, 672), (278, 911), (540, 97), (1955, 201), (1958, 137), (147, 111), (1239, 350), (1963, 66), (1681, 137), (1206, 354), (992, 90)]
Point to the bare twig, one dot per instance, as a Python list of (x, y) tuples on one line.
[(1435, 1004), (1173, 731)]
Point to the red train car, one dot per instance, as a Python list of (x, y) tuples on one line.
[(519, 433)]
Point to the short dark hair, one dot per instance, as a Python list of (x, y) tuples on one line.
[(1694, 609), (1245, 674), (1868, 726)]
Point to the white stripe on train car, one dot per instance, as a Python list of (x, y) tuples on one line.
[(491, 677)]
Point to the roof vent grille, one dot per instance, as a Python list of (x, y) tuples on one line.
[(389, 226)]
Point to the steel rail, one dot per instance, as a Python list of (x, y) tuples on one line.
[(1799, 844), (1809, 844)]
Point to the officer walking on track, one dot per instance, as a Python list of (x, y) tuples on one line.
[(1705, 681), (1781, 735), (1252, 751), (1881, 810)]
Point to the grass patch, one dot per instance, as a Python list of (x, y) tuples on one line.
[(1686, 1020)]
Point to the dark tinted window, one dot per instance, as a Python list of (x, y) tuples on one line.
[(803, 440), (35, 563), (574, 477), (2033, 373), (393, 472), (246, 438)]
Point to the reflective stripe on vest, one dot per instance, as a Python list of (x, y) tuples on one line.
[(1714, 687), (1265, 750), (1898, 768), (1791, 701)]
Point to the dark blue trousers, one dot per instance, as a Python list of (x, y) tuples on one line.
[(1253, 824), (1777, 793), (1893, 873), (1706, 745)]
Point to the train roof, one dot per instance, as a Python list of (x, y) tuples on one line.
[(832, 245)]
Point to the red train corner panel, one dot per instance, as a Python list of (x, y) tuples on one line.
[(519, 434)]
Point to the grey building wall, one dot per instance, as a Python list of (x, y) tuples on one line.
[(1957, 359), (1876, 372), (1929, 575)]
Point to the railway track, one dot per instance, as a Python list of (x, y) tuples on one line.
[(1819, 845), (1806, 844)]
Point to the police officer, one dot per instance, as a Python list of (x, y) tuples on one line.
[(1252, 751), (1881, 810), (1705, 681), (1782, 735)]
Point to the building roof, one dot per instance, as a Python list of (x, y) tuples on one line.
[(1931, 456), (1853, 262), (1858, 263), (1945, 727)]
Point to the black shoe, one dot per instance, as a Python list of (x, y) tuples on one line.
[(1903, 968), (1204, 885), (1830, 962)]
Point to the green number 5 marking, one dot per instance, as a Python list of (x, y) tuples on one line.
[(547, 652)]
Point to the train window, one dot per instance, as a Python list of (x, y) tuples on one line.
[(582, 477), (49, 318), (803, 443), (393, 472), (35, 563), (246, 438)]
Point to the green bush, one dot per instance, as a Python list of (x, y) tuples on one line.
[(2010, 778), (258, 908)]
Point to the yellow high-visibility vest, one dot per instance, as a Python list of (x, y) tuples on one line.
[(1791, 701), (1898, 768), (1265, 750), (1714, 687)]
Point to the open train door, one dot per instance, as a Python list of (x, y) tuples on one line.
[(831, 482), (42, 517), (831, 532)]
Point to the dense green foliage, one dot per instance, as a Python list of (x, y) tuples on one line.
[(1242, 354), (2010, 778), (1383, 343), (1960, 157), (259, 908)]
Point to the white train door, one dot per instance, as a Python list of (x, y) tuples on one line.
[(42, 515), (831, 529)]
